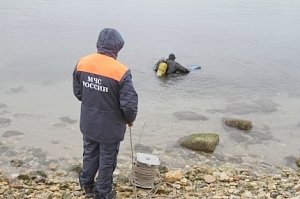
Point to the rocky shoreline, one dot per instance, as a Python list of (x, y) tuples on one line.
[(199, 181), (29, 172)]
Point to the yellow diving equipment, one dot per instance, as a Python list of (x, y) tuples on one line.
[(162, 69)]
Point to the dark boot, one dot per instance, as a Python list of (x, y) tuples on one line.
[(90, 190), (112, 195)]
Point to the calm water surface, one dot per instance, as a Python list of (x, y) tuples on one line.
[(249, 53)]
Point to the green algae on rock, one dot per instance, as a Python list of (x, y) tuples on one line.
[(206, 142)]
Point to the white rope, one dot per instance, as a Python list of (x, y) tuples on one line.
[(143, 175)]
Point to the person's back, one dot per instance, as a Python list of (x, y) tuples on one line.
[(108, 102), (168, 66)]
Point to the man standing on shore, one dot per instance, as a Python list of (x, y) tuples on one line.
[(108, 102)]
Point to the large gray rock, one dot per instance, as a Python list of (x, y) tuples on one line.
[(206, 142)]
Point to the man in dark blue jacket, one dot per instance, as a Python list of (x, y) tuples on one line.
[(108, 102)]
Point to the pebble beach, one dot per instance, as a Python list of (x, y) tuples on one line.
[(38, 177)]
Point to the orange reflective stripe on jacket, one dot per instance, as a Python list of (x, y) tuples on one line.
[(102, 65)]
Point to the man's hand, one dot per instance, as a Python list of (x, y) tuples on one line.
[(130, 124)]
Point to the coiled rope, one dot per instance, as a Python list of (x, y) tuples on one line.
[(143, 175)]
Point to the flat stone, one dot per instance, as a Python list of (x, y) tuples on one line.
[(209, 178), (173, 176)]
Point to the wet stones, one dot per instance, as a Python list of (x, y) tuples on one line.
[(162, 169), (38, 173), (75, 168), (239, 124), (198, 181), (206, 142), (16, 163), (122, 179)]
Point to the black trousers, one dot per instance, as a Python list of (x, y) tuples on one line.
[(101, 158)]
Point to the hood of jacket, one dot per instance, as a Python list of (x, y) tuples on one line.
[(110, 42)]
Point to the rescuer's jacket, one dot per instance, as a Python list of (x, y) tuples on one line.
[(105, 88)]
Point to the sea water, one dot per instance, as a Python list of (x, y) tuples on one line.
[(249, 57)]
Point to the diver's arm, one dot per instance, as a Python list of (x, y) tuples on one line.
[(181, 68)]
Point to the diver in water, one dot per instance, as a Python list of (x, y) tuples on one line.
[(167, 66)]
